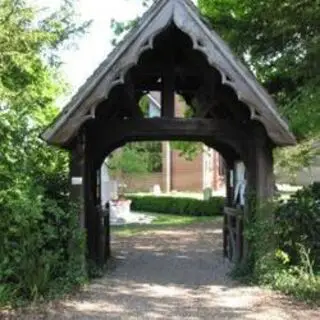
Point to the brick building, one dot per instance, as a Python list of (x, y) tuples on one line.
[(205, 171)]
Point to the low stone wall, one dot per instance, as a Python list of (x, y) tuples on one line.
[(304, 177), (140, 182)]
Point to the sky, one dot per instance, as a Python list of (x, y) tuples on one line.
[(93, 47)]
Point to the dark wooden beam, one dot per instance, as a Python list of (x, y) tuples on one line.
[(149, 86), (152, 71), (91, 218), (167, 94), (76, 172), (228, 149), (260, 177), (97, 246), (190, 86), (116, 132), (161, 128)]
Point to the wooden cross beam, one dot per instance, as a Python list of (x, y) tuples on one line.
[(162, 128), (117, 131), (167, 94)]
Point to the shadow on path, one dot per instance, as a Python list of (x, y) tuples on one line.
[(173, 274)]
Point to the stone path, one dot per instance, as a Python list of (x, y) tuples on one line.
[(173, 274)]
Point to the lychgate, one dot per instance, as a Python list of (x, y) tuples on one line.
[(172, 50)]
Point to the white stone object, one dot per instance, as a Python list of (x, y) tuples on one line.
[(207, 193), (109, 188), (240, 184), (156, 190), (120, 214)]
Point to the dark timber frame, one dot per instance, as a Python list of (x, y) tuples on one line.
[(171, 50)]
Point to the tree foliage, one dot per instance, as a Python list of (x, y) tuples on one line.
[(138, 157), (284, 236), (279, 41), (300, 224), (30, 84), (36, 220)]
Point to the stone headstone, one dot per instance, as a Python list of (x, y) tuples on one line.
[(156, 190), (207, 193)]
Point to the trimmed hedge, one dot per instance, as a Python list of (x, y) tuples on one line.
[(178, 206)]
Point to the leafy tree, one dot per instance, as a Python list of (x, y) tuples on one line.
[(138, 157), (30, 84), (38, 227), (279, 41), (128, 161), (187, 149)]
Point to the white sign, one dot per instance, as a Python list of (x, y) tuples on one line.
[(76, 181)]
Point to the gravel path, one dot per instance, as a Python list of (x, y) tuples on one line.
[(173, 274)]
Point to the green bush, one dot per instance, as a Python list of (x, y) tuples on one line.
[(41, 245), (177, 205), (299, 223), (285, 241)]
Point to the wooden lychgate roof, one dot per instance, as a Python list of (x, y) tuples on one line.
[(111, 72)]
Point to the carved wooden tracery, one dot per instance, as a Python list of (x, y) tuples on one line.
[(113, 71)]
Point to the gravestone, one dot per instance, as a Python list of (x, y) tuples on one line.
[(207, 193)]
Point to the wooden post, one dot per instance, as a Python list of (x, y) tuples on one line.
[(107, 245), (229, 187), (76, 171), (168, 87), (260, 178), (260, 171), (89, 208), (93, 212), (225, 235), (85, 191), (229, 197), (238, 251)]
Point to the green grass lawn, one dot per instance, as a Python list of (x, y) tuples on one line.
[(162, 221)]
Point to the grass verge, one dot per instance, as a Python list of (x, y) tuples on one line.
[(161, 221)]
